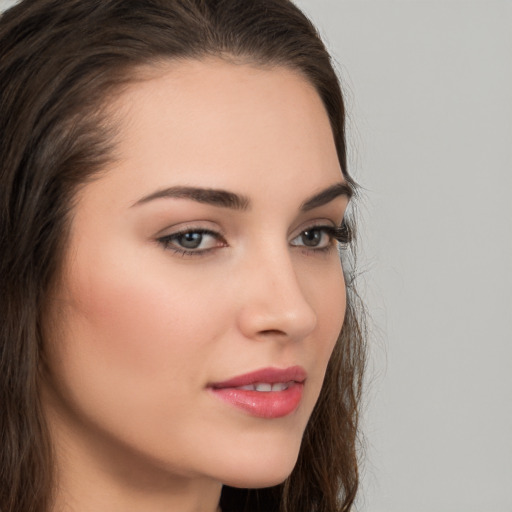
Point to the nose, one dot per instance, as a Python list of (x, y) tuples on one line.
[(273, 301)]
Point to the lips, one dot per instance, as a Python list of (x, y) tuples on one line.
[(266, 393)]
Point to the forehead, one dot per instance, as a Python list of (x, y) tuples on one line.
[(228, 123)]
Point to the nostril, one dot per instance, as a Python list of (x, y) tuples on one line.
[(273, 332)]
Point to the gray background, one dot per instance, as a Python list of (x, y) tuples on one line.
[(428, 86)]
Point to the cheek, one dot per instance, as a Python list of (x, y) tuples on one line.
[(325, 287), (334, 301), (132, 351), (129, 339), (128, 321), (327, 292)]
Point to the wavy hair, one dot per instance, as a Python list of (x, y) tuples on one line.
[(61, 62)]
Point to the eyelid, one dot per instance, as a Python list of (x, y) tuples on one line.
[(313, 224), (184, 227)]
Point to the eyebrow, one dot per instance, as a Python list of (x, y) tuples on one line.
[(211, 196), (327, 195), (226, 199)]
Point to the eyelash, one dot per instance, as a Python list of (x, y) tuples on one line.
[(341, 234)]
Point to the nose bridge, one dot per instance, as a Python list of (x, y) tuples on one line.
[(275, 302)]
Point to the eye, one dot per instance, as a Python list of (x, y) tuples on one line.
[(313, 237), (192, 241), (317, 237), (322, 237)]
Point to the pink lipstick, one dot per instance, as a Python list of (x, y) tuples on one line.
[(265, 393)]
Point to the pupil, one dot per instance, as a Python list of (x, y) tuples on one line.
[(311, 238), (191, 240)]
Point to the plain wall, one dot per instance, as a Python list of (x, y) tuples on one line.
[(429, 87)]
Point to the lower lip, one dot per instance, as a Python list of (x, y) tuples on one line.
[(263, 404)]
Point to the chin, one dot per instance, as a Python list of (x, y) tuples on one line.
[(259, 481), (262, 470)]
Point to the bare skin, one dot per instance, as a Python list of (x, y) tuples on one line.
[(143, 320)]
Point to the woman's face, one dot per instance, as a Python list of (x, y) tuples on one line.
[(201, 269)]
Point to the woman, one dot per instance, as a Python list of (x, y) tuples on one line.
[(174, 184)]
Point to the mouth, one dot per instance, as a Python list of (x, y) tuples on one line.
[(266, 393), (266, 387)]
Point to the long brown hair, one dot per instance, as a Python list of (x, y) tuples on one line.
[(61, 62)]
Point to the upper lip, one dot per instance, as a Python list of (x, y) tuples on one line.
[(267, 375)]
